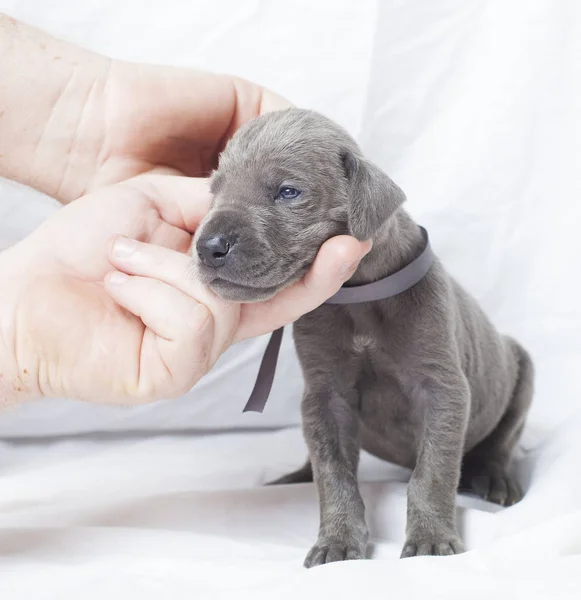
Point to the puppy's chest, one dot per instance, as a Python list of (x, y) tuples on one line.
[(371, 354), (371, 338), (347, 349), (364, 343)]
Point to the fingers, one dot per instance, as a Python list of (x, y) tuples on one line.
[(336, 262), (251, 101), (173, 270), (167, 311), (272, 102), (171, 267), (177, 345), (181, 201)]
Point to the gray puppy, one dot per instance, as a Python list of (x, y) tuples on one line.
[(422, 379)]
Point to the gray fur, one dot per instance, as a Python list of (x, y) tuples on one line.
[(422, 380)]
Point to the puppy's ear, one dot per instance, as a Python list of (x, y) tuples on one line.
[(373, 196)]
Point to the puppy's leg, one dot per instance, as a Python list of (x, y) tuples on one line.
[(331, 427), (302, 475), (485, 467), (431, 516)]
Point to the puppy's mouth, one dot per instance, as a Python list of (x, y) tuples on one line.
[(234, 291)]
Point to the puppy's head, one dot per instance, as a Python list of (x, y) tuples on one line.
[(286, 182)]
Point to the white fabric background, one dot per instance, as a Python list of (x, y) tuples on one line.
[(474, 108)]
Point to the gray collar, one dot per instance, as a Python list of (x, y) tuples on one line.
[(389, 286)]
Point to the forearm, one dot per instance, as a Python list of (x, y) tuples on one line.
[(46, 139)]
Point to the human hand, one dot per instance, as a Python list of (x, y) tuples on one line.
[(74, 121), (169, 120), (67, 328)]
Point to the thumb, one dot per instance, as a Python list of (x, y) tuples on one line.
[(336, 262)]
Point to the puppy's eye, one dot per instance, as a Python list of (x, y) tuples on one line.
[(287, 192)]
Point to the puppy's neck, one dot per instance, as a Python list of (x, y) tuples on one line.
[(395, 245)]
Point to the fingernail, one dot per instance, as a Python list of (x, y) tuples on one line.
[(124, 247), (367, 248), (117, 278), (349, 269)]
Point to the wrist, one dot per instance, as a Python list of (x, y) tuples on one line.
[(50, 136), (18, 376)]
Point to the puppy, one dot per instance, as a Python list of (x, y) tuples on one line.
[(422, 379)]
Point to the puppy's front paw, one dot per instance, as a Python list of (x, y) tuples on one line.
[(429, 544), (333, 551)]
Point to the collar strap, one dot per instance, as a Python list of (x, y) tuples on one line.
[(389, 286)]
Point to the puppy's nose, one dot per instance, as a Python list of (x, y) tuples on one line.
[(213, 250)]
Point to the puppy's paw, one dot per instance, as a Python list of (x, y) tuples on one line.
[(427, 544), (323, 553), (493, 484)]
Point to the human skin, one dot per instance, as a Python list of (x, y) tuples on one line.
[(127, 147)]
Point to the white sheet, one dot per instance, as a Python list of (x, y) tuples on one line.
[(183, 517), (474, 109)]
